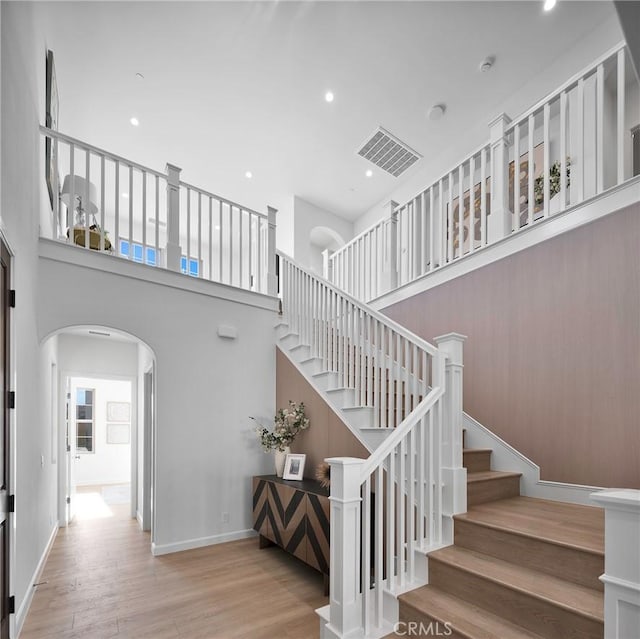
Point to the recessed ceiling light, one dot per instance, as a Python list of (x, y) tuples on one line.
[(549, 4), (134, 121), (436, 111), (248, 175), (139, 76), (217, 227), (328, 96), (369, 173), (125, 196)]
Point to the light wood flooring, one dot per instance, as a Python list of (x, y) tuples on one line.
[(101, 581)]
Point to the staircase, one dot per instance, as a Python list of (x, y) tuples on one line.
[(519, 568)]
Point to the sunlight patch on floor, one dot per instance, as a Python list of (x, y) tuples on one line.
[(91, 506)]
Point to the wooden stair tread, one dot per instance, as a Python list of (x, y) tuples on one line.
[(559, 592), (489, 475), (571, 525), (465, 618), (470, 451)]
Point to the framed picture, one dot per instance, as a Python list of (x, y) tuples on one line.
[(294, 467), (466, 217), (118, 433), (118, 412), (51, 121), (523, 176)]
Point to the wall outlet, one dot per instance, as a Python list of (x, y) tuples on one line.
[(225, 518)]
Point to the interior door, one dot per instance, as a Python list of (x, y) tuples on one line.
[(5, 281), (71, 451)]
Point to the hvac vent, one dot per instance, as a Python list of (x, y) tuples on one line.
[(388, 153)]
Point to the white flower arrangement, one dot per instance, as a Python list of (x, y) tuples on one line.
[(288, 423)]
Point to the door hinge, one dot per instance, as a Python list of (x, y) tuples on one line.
[(12, 298), (11, 504), (12, 605), (68, 448), (12, 399), (68, 500)]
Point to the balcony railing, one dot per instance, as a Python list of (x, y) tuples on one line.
[(574, 144), (110, 204)]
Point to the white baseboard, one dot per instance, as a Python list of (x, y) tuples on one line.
[(507, 458), (139, 518), (21, 615), (189, 544), (106, 482)]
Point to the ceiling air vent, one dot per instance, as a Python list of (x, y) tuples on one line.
[(388, 153)]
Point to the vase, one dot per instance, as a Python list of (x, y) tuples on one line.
[(280, 458)]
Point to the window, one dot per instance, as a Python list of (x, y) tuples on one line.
[(194, 266), (85, 430), (150, 253)]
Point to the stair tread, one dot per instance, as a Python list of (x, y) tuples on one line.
[(477, 450), (571, 525), (579, 599), (488, 475), (466, 618)]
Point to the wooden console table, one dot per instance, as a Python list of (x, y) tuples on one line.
[(295, 516)]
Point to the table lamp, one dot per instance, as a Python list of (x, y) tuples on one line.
[(81, 189)]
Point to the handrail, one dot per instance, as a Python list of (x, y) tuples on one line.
[(224, 200), (563, 87), (401, 330), (399, 433), (360, 235), (98, 151)]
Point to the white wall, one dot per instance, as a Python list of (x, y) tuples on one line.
[(109, 463), (433, 167), (34, 476), (207, 387), (145, 364), (306, 217)]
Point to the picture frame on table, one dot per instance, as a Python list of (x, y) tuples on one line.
[(294, 467)]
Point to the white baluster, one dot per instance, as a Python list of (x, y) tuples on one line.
[(499, 222), (174, 250), (391, 261), (272, 282), (620, 133)]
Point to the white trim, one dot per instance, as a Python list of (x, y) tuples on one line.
[(599, 206), (61, 252), (624, 584), (139, 518), (21, 615), (189, 544), (506, 458)]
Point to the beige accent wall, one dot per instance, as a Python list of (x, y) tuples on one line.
[(327, 436), (552, 360)]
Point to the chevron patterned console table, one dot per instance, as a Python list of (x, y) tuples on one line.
[(295, 516)]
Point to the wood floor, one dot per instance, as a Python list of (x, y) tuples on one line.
[(102, 581)]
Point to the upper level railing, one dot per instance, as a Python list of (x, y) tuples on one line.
[(110, 204), (572, 145)]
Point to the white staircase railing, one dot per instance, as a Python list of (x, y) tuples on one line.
[(109, 203), (387, 510), (574, 144)]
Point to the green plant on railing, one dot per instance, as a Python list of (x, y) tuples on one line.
[(554, 182)]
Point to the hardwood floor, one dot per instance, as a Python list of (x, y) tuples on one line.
[(101, 581)]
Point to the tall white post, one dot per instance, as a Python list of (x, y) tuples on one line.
[(454, 475), (327, 266), (345, 601), (499, 222), (174, 250), (272, 280), (390, 279), (621, 562)]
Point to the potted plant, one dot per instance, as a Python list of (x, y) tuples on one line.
[(288, 422), (554, 185)]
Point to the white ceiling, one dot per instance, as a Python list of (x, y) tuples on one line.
[(237, 86)]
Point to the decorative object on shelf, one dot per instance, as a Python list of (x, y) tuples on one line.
[(287, 424), (323, 474), (294, 467), (51, 122), (279, 459), (81, 195)]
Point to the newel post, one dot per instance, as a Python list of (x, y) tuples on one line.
[(345, 603), (391, 249), (327, 266), (174, 250), (621, 576), (499, 222), (272, 278), (454, 475)]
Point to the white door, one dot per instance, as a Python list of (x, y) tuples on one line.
[(71, 451)]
